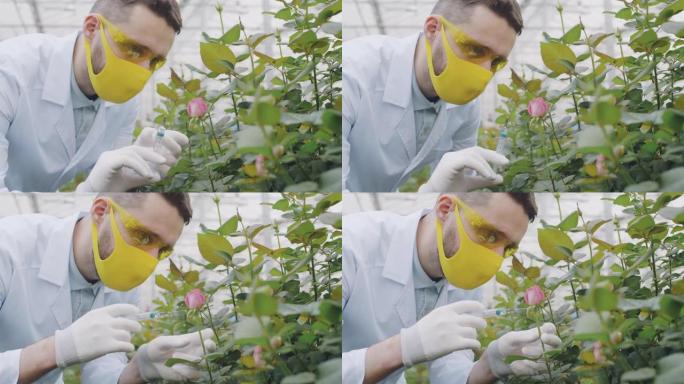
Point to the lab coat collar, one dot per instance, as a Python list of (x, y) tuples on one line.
[(398, 84), (57, 79), (399, 265)]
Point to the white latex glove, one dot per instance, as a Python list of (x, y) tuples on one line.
[(122, 169), (522, 343), (446, 329), (171, 146), (465, 170), (151, 357), (97, 333)]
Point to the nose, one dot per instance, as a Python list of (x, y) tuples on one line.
[(500, 250), (146, 64)]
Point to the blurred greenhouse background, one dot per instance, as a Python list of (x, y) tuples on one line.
[(18, 17), (254, 208)]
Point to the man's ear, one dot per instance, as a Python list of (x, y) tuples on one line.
[(444, 206), (91, 24), (431, 27), (99, 209)]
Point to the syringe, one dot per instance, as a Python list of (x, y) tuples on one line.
[(153, 315), (161, 132), (498, 312)]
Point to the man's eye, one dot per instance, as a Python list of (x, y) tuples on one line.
[(475, 51), (143, 238)]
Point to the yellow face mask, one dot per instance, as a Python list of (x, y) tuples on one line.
[(475, 262), (462, 81), (121, 78), (129, 265)]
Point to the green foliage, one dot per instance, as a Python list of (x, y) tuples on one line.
[(618, 308), (284, 301), (274, 122), (617, 123)]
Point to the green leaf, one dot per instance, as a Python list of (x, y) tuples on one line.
[(164, 91), (213, 247), (264, 305), (638, 375), (229, 226), (606, 114), (191, 277), (266, 113), (569, 222), (639, 226), (573, 34), (552, 54), (281, 205), (164, 283), (503, 279), (214, 55), (300, 378), (232, 35), (551, 242), (603, 299)]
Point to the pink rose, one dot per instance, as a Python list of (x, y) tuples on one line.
[(538, 107), (601, 169), (258, 361), (260, 165), (195, 299), (534, 295), (598, 353), (197, 107)]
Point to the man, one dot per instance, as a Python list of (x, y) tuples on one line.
[(68, 105), (67, 289), (412, 102), (409, 291)]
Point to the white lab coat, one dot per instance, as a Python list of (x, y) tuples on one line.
[(37, 134), (378, 128), (378, 294), (35, 295)]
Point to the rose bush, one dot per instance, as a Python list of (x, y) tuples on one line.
[(592, 121), (276, 311), (258, 122), (618, 307)]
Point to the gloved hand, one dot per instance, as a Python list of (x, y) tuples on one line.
[(97, 333), (171, 146), (446, 329), (521, 343), (122, 169), (151, 357), (453, 174)]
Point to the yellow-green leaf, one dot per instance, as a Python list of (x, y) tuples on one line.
[(555, 243), (164, 283), (210, 246), (552, 53), (213, 56)]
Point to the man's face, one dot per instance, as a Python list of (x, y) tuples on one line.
[(160, 226), (506, 219), (144, 28), (485, 27)]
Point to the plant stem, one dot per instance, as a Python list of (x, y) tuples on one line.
[(249, 245), (211, 324), (204, 349), (313, 273), (651, 250), (315, 83), (655, 80), (546, 361), (213, 132), (232, 297)]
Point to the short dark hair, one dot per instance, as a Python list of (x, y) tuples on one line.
[(525, 199), (178, 200), (120, 10), (461, 10)]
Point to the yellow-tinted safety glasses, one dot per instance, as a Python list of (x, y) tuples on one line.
[(138, 235), (131, 50), (482, 232), (472, 49)]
